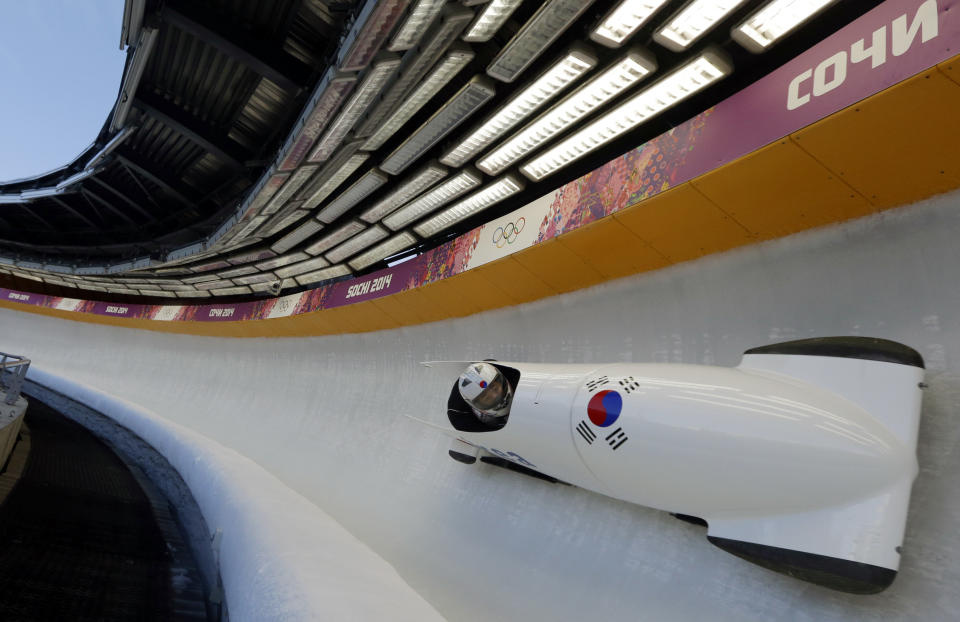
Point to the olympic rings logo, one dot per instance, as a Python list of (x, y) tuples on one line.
[(507, 234)]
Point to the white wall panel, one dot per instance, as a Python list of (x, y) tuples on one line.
[(480, 543)]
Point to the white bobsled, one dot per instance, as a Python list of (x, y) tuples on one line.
[(800, 459)]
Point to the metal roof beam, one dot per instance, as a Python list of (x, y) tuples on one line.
[(205, 136), (171, 187), (92, 195), (75, 212), (26, 208), (269, 61), (123, 198)]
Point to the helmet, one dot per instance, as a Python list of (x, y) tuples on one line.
[(486, 390)]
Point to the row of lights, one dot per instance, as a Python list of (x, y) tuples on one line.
[(429, 189)]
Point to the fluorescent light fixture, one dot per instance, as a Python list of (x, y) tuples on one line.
[(420, 181), (120, 290), (689, 79), (11, 199), (265, 191), (69, 181), (158, 293), (371, 85), (231, 291), (624, 21), (456, 59), (329, 241), (416, 63), (473, 204), (303, 267), (357, 243), (281, 221), (369, 32), (214, 285), (90, 287), (213, 265), (774, 21), (439, 196), (193, 294), (552, 82), (243, 271), (416, 23), (360, 189), (283, 260), (323, 275), (28, 276), (203, 278), (461, 107), (299, 234), (325, 102), (292, 186), (389, 247), (693, 21), (333, 182), (176, 287), (268, 286), (493, 16), (619, 77), (258, 254), (548, 23), (249, 228), (256, 278)]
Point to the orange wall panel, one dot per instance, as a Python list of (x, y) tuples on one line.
[(778, 190), (402, 307), (558, 266), (370, 317), (612, 249), (896, 147), (426, 306), (951, 68), (475, 292), (681, 224), (517, 282), (447, 300)]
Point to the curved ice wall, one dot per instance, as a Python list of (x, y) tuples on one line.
[(324, 415)]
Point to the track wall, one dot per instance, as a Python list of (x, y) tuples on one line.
[(324, 415)]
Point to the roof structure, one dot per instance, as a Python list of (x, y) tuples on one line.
[(259, 148)]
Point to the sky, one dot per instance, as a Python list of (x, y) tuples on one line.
[(60, 69)]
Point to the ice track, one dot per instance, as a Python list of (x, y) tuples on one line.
[(324, 416)]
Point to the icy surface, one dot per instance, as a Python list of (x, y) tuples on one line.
[(281, 557), (323, 415)]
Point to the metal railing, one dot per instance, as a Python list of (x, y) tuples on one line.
[(13, 371)]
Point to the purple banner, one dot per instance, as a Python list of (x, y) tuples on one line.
[(220, 313), (24, 297), (116, 309), (375, 285)]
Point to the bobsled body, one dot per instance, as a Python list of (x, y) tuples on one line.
[(800, 459)]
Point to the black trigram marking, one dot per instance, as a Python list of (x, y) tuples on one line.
[(585, 431), (616, 438), (629, 384), (596, 383)]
